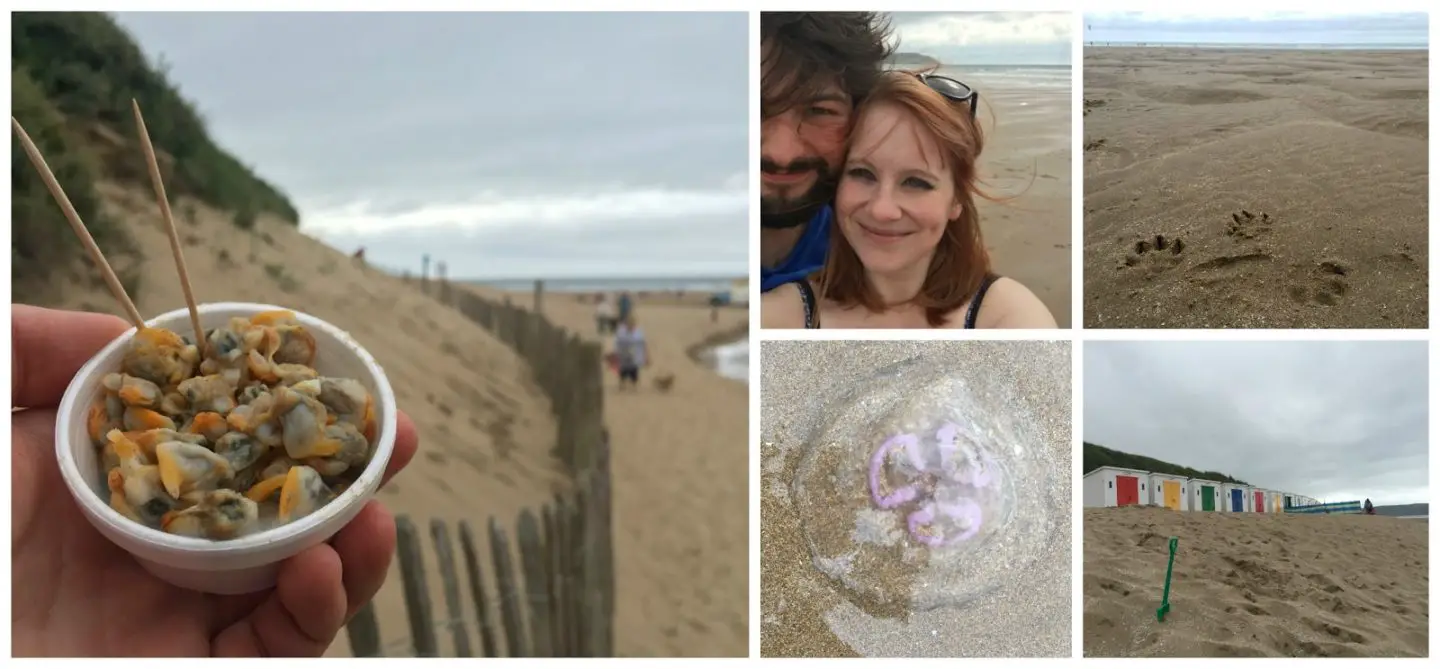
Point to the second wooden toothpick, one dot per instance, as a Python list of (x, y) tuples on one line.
[(175, 249)]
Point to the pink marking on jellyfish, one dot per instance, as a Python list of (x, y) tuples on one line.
[(964, 518), (945, 524), (878, 461)]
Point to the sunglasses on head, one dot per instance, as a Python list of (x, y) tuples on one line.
[(952, 89)]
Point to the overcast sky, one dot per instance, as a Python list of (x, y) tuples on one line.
[(987, 38), (1332, 420), (1309, 27), (508, 144)]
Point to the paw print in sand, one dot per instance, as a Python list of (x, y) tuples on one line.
[(1159, 251), (1325, 286), (1245, 225)]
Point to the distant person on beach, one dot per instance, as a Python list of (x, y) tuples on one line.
[(909, 253), (626, 305), (631, 351), (605, 316), (816, 67), (1369, 508)]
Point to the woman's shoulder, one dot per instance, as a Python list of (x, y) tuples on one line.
[(1008, 304), (782, 307)]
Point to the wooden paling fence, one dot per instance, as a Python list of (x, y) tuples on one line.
[(560, 600), (557, 602)]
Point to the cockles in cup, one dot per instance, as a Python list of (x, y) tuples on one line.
[(247, 438)]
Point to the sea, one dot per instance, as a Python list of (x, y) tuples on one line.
[(691, 284), (1012, 77)]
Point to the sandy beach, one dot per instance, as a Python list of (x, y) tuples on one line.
[(1255, 189), (1027, 159), (1013, 603), (680, 467), (1256, 585)]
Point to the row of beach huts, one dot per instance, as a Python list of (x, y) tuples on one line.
[(1117, 486)]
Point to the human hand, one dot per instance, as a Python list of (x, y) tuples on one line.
[(76, 594)]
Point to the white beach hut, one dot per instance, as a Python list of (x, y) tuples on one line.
[(1235, 498), (1260, 500), (1115, 486), (1171, 492), (1205, 495)]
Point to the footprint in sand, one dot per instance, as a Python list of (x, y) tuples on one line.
[(1245, 225), (1325, 286), (1094, 144), (1156, 253)]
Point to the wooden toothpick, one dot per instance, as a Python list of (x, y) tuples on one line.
[(169, 226), (96, 255)]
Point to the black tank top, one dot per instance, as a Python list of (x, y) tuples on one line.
[(812, 313)]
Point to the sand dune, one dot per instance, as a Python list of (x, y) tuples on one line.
[(1327, 152), (1255, 585), (680, 467), (485, 427)]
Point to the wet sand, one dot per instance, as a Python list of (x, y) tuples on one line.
[(1027, 158), (803, 614), (1255, 189), (1249, 584)]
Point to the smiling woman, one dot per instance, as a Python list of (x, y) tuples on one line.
[(909, 253)]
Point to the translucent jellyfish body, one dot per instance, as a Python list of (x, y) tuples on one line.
[(924, 491)]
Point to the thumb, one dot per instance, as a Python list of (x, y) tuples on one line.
[(300, 618)]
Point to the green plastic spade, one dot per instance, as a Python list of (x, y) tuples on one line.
[(1170, 569)]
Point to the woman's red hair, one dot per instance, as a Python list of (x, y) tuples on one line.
[(960, 263)]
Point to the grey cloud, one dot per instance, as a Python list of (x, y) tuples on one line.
[(1313, 418), (385, 103)]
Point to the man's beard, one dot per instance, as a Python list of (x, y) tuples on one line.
[(784, 213)]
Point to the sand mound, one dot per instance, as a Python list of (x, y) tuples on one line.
[(1335, 176), (1255, 584), (485, 427)]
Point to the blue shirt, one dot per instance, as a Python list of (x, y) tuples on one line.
[(806, 258)]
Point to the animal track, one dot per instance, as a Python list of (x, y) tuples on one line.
[(1325, 286), (1245, 225), (1158, 253)]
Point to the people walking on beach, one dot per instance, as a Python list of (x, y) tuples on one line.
[(909, 252), (815, 68), (631, 351), (605, 316)]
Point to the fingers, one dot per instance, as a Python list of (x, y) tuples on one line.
[(300, 618), (407, 441), (49, 346), (365, 547)]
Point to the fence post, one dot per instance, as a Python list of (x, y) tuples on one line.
[(532, 555), (539, 294), (417, 596), (509, 598), (364, 632), (477, 591), (450, 583)]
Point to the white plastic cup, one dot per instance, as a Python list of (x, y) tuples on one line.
[(235, 566)]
